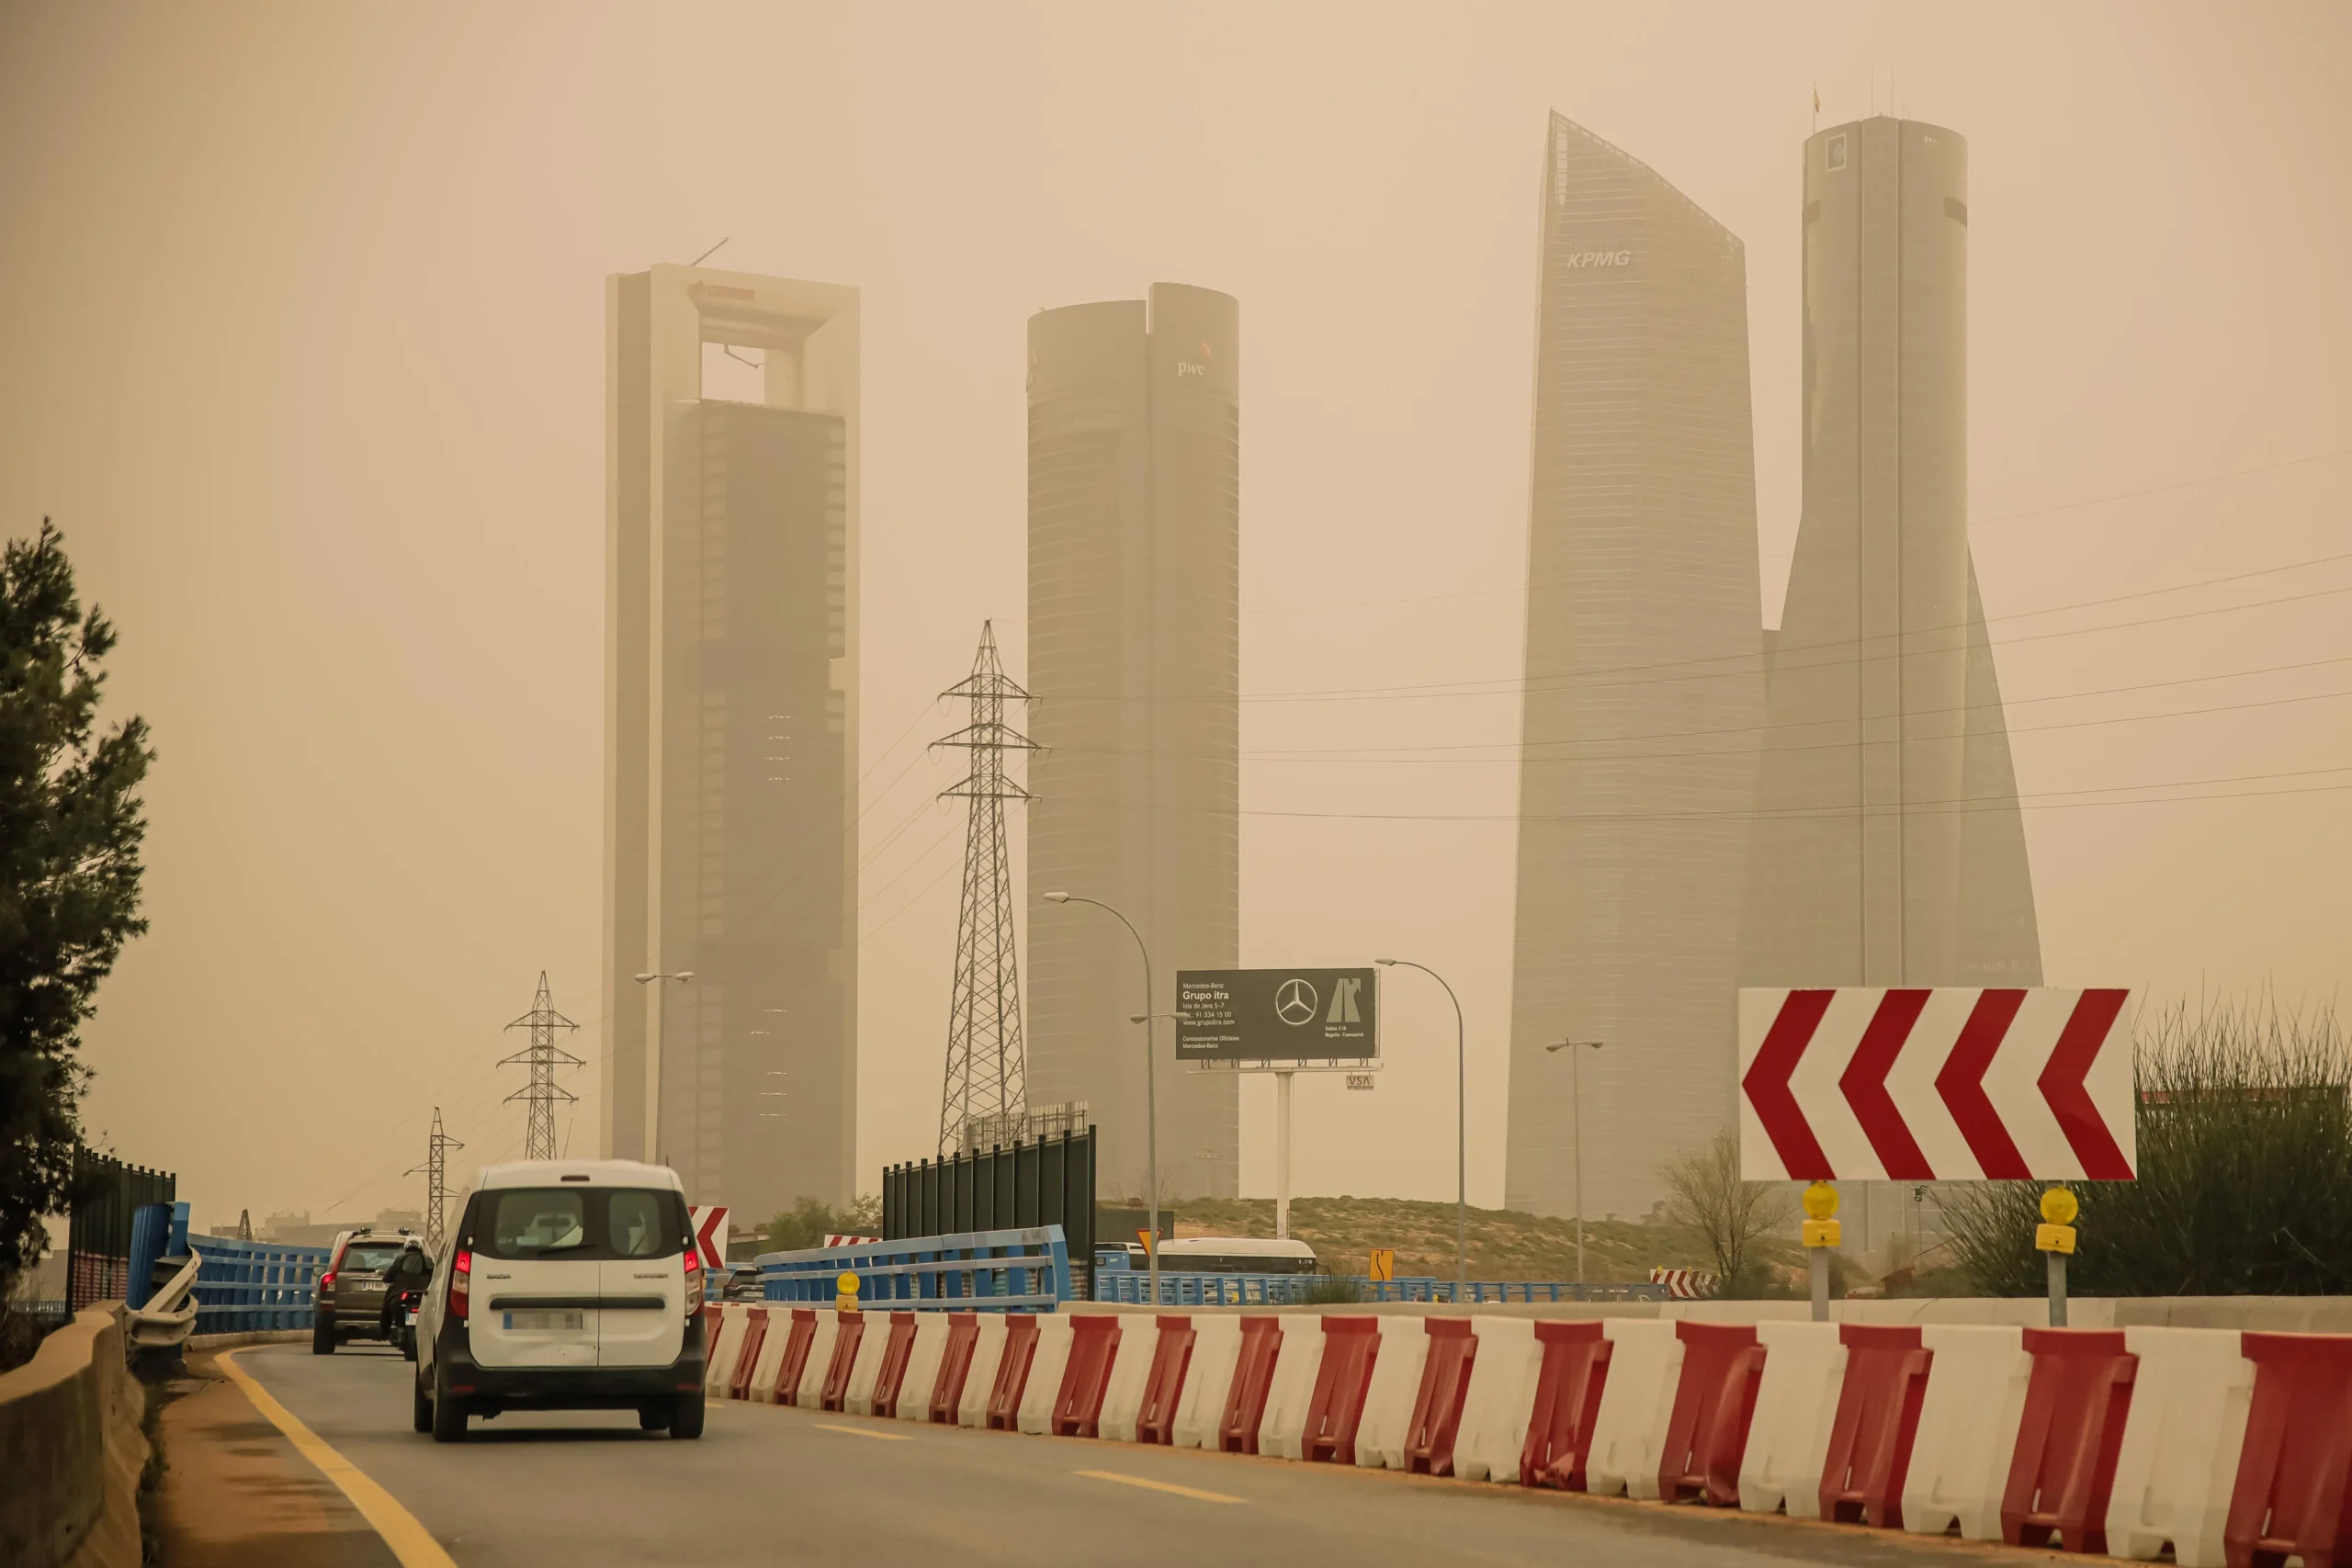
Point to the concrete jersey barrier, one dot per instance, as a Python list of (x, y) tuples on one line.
[(71, 1449)]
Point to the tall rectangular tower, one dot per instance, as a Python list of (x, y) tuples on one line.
[(1889, 848), (1643, 685), (1135, 537), (730, 755)]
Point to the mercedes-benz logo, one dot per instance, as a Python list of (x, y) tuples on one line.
[(1297, 1003)]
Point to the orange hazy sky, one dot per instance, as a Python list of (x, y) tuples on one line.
[(301, 344)]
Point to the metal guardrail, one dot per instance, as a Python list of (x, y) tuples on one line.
[(244, 1287), (1132, 1286), (974, 1271)]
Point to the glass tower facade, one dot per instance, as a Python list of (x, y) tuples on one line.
[(1889, 847), (1134, 474), (731, 738), (1644, 685)]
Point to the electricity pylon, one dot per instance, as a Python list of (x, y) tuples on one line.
[(437, 1181), (542, 1057), (985, 1069)]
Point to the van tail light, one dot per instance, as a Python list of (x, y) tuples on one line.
[(461, 1283), (694, 1282)]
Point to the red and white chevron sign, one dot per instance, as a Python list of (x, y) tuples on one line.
[(710, 1235), (1941, 1085)]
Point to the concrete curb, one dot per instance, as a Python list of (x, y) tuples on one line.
[(254, 1336)]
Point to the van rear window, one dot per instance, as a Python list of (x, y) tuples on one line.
[(580, 1222)]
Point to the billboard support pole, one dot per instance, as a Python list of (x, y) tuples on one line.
[(1281, 1154)]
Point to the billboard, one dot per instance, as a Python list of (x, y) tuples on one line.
[(1277, 1015)]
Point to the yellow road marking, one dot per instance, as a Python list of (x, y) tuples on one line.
[(863, 1432), (410, 1542), (1169, 1487)]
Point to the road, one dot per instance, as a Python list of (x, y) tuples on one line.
[(770, 1484)]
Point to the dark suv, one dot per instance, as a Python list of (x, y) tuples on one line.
[(351, 1292)]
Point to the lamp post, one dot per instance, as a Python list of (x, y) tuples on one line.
[(1150, 1086), (653, 1062), (1575, 1094), (1461, 1128)]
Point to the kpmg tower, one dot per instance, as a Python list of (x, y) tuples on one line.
[(731, 733), (1643, 685), (1889, 847), (1134, 466)]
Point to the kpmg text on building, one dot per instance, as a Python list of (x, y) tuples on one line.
[(1249, 1017)]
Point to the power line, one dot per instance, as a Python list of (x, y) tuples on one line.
[(1782, 554), (1500, 686), (2044, 800), (541, 1058), (1518, 749)]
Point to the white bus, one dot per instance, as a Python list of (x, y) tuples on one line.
[(1230, 1254)]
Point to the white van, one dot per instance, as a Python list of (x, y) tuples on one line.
[(564, 1285)]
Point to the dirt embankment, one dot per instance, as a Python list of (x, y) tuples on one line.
[(1504, 1244)]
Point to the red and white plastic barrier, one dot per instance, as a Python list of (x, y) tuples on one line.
[(2221, 1447), (1968, 1430), (1788, 1439)]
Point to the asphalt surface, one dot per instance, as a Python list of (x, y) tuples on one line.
[(768, 1483)]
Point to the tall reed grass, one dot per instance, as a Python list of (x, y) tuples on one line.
[(2246, 1171)]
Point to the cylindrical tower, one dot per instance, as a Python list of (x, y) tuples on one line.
[(1135, 664)]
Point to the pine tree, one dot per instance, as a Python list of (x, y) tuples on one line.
[(70, 826)]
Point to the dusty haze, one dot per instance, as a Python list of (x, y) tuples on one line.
[(302, 347)]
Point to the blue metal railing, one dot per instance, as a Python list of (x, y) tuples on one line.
[(246, 1286), (1301, 1290), (982, 1271)]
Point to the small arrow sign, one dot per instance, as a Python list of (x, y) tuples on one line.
[(710, 1237), (1917, 1084)]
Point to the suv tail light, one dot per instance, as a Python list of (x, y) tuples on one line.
[(461, 1280), (694, 1282), (326, 1284)]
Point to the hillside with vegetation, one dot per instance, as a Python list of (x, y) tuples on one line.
[(1504, 1244)]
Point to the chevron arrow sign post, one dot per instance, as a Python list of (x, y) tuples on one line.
[(1948, 1084)]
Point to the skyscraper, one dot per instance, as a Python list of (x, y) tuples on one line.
[(1643, 684), (730, 749), (1889, 847), (1134, 465)]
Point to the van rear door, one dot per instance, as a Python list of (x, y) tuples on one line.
[(644, 1277), (536, 1278)]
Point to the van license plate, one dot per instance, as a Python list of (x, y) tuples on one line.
[(546, 1322)]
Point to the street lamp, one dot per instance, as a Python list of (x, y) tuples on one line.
[(1150, 1088), (1575, 1093), (1461, 1129), (653, 1063)]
